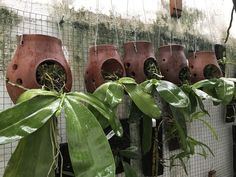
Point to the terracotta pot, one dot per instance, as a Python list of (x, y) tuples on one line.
[(31, 51), (173, 63), (175, 8), (199, 62), (135, 55), (102, 59)]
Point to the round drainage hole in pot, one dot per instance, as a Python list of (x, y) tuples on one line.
[(112, 70), (211, 71), (151, 69), (51, 75), (184, 74)]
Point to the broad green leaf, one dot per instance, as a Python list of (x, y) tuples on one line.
[(149, 85), (33, 155), (89, 149), (225, 90), (110, 93), (99, 106), (26, 117), (205, 96), (204, 83), (129, 171), (147, 134), (130, 152), (144, 101), (126, 80), (172, 94), (35, 92)]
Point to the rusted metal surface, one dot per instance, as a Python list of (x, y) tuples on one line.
[(175, 8), (171, 61), (102, 59), (135, 55), (31, 51), (198, 61)]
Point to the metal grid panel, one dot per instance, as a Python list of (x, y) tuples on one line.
[(76, 42)]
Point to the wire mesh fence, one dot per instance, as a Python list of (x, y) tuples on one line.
[(76, 38)]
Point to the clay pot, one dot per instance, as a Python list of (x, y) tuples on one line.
[(136, 53), (103, 60), (33, 50), (201, 63), (173, 63), (175, 8)]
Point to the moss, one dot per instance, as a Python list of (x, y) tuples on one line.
[(8, 17)]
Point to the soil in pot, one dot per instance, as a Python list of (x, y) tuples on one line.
[(111, 70), (151, 69), (51, 76)]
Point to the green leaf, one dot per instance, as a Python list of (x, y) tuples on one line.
[(172, 94), (144, 101), (126, 80), (129, 171), (205, 96), (225, 90), (197, 116), (101, 107), (26, 117), (204, 83), (35, 92), (33, 155), (149, 85), (147, 135), (130, 152), (111, 93), (89, 149)]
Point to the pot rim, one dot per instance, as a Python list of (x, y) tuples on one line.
[(139, 41), (201, 51), (102, 47), (39, 36), (170, 45)]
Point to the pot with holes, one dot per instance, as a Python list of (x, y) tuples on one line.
[(175, 8), (137, 54), (104, 64), (33, 51), (203, 65), (173, 63)]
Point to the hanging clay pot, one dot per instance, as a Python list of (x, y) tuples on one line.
[(136, 55), (104, 64), (203, 65), (173, 63), (175, 8), (36, 51)]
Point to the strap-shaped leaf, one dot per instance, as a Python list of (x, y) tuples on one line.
[(111, 93), (26, 117), (35, 92), (225, 90), (130, 152), (33, 155), (144, 101), (127, 80), (205, 96), (129, 171), (204, 83), (101, 107), (89, 149), (147, 134), (172, 94)]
